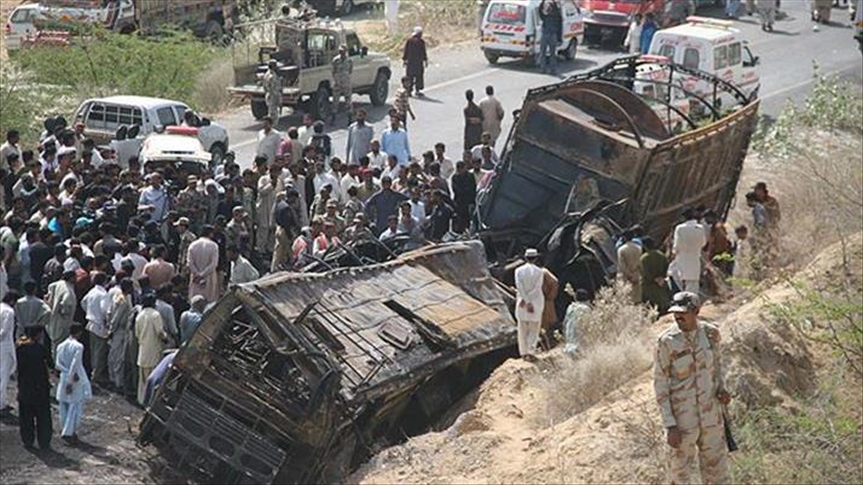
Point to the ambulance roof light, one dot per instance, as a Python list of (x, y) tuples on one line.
[(706, 21)]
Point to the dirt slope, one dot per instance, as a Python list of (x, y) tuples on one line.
[(618, 440)]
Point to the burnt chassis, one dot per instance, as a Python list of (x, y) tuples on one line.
[(594, 126), (298, 377)]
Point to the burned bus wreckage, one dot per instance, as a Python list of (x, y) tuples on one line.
[(299, 377)]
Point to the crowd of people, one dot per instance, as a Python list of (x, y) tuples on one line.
[(108, 269), (700, 256)]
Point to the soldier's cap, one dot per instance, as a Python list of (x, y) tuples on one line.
[(183, 221), (272, 63), (684, 302), (343, 48), (332, 203), (531, 253)]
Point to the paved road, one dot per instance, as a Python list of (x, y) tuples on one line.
[(787, 58)]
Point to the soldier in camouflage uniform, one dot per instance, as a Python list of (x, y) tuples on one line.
[(343, 67), (687, 378), (191, 203), (272, 90)]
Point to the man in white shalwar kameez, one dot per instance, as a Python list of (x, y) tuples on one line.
[(689, 239), (73, 388), (529, 304), (267, 188), (62, 300), (203, 262), (7, 346)]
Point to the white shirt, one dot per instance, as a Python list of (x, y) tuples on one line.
[(242, 271), (418, 211), (528, 284), (268, 144), (378, 161), (347, 181), (476, 153), (305, 133), (7, 149), (325, 178), (447, 168), (96, 304), (7, 327), (689, 239)]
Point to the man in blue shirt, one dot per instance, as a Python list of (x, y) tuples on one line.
[(394, 141), (383, 204)]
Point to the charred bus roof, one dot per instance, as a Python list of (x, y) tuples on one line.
[(287, 374)]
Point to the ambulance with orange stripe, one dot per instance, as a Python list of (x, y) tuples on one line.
[(513, 28)]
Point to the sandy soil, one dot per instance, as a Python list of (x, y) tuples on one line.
[(107, 452)]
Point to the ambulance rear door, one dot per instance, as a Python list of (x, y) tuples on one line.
[(507, 26), (573, 23)]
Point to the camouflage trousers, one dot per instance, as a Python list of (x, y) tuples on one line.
[(274, 104), (342, 90), (708, 444)]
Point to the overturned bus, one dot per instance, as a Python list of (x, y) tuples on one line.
[(590, 155), (296, 378)]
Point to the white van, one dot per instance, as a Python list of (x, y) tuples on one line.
[(712, 46), (20, 25), (513, 28), (103, 117)]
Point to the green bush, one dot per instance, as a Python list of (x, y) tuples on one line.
[(102, 63)]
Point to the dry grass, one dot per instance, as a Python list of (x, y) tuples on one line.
[(613, 349), (443, 22), (211, 91), (812, 161)]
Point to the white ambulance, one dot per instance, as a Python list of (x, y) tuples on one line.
[(513, 28), (712, 46)]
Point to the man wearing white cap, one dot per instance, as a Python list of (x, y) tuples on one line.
[(529, 303), (687, 379)]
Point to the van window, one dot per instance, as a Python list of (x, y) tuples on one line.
[(720, 57), (507, 14), (111, 117), (166, 116), (23, 15), (691, 58), (667, 51), (354, 45), (735, 55)]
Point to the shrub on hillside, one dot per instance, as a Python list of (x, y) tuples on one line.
[(613, 348)]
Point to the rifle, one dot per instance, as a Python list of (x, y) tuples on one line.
[(729, 439)]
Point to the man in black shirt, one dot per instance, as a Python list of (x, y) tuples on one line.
[(34, 389)]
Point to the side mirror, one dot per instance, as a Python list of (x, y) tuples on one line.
[(364, 51), (121, 132), (756, 61), (205, 122), (133, 132)]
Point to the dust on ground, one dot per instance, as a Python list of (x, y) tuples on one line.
[(107, 452), (619, 439)]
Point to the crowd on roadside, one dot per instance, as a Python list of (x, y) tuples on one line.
[(108, 269)]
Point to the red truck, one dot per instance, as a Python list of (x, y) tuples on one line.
[(607, 21)]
